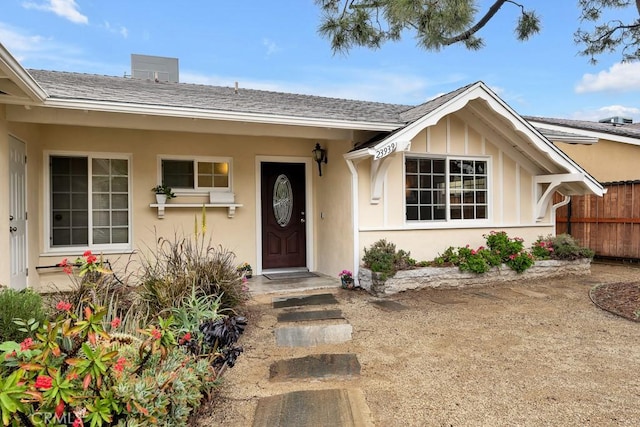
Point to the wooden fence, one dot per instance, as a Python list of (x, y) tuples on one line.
[(609, 225)]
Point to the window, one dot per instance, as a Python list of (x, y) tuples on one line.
[(196, 174), (445, 189), (89, 201)]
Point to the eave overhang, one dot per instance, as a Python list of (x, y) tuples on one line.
[(16, 84)]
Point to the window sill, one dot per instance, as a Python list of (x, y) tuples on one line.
[(231, 207)]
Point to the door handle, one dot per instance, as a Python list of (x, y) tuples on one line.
[(12, 229), (302, 220)]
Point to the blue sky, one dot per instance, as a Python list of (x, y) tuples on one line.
[(274, 45)]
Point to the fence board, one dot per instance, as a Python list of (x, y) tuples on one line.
[(610, 225)]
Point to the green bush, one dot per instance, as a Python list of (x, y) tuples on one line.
[(567, 248), (24, 305), (382, 257), (502, 245)]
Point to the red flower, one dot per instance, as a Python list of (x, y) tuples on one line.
[(44, 382), (59, 409), (63, 306), (87, 253), (26, 344), (66, 267), (119, 366), (90, 258), (115, 322), (186, 338), (77, 423), (156, 334), (72, 376)]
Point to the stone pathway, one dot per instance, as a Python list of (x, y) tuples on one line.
[(309, 321)]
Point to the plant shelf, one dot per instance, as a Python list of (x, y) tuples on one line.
[(231, 207)]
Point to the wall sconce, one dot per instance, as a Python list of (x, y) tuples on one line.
[(319, 155)]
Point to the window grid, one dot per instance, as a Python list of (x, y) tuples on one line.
[(194, 174), (445, 189)]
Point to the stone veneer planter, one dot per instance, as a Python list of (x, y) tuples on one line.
[(452, 277)]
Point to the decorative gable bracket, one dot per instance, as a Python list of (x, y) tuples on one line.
[(554, 182), (380, 160)]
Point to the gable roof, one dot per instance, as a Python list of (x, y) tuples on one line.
[(76, 89), (626, 133)]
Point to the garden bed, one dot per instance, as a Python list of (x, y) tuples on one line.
[(452, 277)]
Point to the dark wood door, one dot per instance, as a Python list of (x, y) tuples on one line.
[(283, 215)]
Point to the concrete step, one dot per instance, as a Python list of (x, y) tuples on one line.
[(317, 299), (312, 335), (317, 366)]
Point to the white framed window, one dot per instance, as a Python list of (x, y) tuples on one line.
[(446, 189), (195, 174), (89, 199)]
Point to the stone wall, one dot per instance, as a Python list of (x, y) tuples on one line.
[(452, 277)]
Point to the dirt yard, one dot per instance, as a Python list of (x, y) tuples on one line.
[(533, 353)]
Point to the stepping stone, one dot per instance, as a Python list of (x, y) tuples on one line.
[(301, 316), (309, 336), (316, 366), (319, 299), (314, 408), (529, 293), (389, 305)]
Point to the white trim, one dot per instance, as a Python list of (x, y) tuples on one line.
[(52, 250), (448, 226), (309, 209), (518, 194), (355, 212), (447, 136), (20, 77), (199, 113)]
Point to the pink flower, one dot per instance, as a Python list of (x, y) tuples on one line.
[(115, 322), (26, 344), (78, 423), (66, 267), (512, 257), (86, 253), (63, 306), (473, 252), (119, 366), (44, 382)]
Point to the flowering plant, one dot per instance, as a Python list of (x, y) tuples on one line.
[(245, 266), (345, 275)]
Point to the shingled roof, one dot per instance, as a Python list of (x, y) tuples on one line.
[(620, 130), (77, 86)]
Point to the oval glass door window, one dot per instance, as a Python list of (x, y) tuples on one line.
[(282, 200)]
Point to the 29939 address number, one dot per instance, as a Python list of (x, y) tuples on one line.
[(385, 151)]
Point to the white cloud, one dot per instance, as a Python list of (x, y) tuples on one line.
[(597, 114), (621, 77), (67, 9), (123, 31), (271, 46), (20, 44)]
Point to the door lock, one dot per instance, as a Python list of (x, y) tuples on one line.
[(302, 220)]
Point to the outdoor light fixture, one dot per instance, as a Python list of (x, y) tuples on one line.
[(319, 155)]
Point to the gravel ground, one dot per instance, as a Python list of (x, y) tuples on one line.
[(532, 353)]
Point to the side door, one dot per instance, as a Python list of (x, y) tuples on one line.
[(17, 214)]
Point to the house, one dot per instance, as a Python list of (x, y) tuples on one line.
[(83, 151), (609, 150)]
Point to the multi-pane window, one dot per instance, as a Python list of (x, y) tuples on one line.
[(192, 174), (445, 189), (89, 201)]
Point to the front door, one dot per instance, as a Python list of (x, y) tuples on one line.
[(283, 215), (17, 214)]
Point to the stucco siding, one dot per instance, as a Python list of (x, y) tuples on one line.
[(606, 160)]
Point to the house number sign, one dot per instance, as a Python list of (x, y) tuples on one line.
[(282, 200), (385, 150)]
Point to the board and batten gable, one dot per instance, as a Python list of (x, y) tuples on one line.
[(511, 194)]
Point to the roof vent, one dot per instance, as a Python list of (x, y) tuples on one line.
[(617, 120), (156, 68)]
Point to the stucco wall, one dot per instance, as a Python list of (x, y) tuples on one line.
[(511, 198), (606, 160), (238, 234)]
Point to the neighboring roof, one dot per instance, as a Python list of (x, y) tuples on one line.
[(627, 133), (87, 87)]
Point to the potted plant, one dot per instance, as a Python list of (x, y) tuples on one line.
[(163, 193), (346, 278), (245, 269)]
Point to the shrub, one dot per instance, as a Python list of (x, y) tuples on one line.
[(567, 248), (521, 261), (382, 257), (543, 248), (504, 246), (25, 305)]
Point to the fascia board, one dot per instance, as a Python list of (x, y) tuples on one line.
[(20, 76), (589, 133), (159, 110)]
